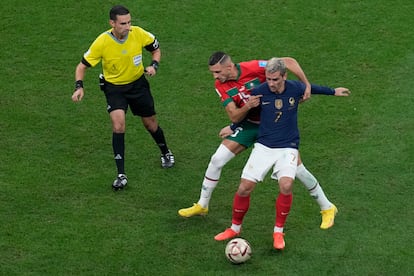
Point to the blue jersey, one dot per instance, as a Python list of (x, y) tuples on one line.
[(279, 115)]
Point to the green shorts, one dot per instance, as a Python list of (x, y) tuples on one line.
[(245, 134)]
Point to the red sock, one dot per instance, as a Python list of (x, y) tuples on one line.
[(240, 207), (283, 203)]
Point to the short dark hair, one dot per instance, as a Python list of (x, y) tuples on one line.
[(117, 10), (218, 57)]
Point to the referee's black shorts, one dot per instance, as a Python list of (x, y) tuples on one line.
[(136, 95)]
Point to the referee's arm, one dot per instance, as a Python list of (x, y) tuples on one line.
[(151, 70), (79, 75), (154, 48)]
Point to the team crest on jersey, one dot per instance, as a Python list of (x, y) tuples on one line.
[(292, 101), (252, 84), (279, 104)]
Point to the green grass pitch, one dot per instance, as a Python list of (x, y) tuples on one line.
[(58, 214)]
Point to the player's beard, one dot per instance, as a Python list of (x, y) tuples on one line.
[(121, 35), (124, 34)]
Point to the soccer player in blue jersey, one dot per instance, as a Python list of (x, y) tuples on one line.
[(277, 147), (233, 83)]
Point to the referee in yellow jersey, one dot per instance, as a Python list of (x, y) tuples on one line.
[(124, 83)]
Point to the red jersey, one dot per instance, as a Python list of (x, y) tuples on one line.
[(251, 74)]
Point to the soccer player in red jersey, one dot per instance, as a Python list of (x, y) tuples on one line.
[(233, 84), (277, 148)]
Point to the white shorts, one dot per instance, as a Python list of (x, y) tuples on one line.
[(262, 158)]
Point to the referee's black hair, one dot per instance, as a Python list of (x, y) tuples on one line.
[(217, 57), (117, 10)]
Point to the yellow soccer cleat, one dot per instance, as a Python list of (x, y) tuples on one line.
[(328, 217), (195, 210)]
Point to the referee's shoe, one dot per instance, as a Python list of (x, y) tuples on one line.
[(120, 182), (167, 160)]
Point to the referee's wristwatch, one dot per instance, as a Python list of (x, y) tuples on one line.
[(78, 84), (155, 64)]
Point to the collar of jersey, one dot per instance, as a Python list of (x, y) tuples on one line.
[(116, 39)]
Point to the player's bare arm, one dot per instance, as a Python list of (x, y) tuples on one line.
[(293, 66), (237, 114)]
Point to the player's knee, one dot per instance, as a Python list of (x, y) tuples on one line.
[(221, 157), (285, 185), (216, 161), (246, 187)]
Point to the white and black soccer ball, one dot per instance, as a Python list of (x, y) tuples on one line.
[(238, 251)]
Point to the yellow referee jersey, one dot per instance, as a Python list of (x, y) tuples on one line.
[(121, 60)]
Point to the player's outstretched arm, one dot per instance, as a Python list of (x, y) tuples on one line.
[(325, 90), (342, 92)]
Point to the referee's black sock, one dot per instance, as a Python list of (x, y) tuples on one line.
[(159, 138), (118, 145)]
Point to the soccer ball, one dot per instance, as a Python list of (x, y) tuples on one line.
[(238, 251)]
